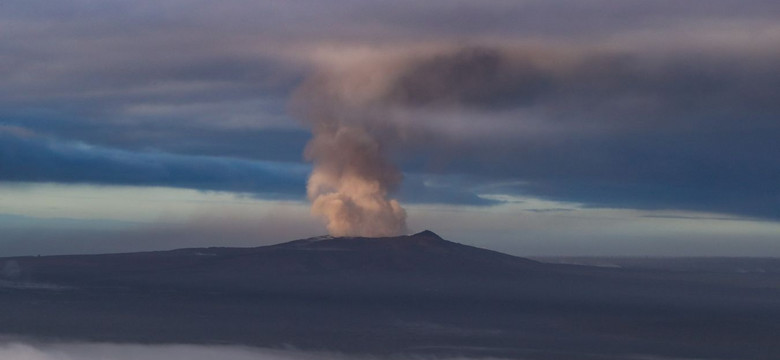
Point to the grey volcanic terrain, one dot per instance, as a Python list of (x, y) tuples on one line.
[(417, 294)]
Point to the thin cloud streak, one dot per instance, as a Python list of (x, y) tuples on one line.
[(39, 159)]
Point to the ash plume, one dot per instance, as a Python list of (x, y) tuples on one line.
[(351, 182), (358, 112), (541, 105), (352, 179)]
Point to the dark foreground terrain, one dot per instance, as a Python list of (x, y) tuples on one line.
[(416, 294)]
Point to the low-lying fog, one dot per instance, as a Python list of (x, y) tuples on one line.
[(31, 350), (35, 350)]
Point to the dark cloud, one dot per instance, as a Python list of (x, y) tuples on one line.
[(730, 171), (595, 86), (35, 159), (269, 144), (482, 77), (138, 75)]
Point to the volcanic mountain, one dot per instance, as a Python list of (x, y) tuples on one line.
[(417, 294), (338, 259)]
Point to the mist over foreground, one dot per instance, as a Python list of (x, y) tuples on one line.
[(20, 350), (30, 350), (395, 297)]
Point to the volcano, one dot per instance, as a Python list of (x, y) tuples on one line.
[(415, 294), (337, 260)]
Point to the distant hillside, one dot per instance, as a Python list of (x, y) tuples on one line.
[(417, 294), (341, 258)]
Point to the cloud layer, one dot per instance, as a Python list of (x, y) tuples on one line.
[(33, 159), (631, 104)]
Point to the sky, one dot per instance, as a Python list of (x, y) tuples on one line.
[(555, 127)]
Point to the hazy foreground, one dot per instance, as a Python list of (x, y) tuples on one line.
[(388, 298)]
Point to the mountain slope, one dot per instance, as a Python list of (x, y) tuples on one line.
[(417, 294), (341, 258)]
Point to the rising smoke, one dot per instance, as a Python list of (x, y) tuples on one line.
[(352, 179), (351, 182), (357, 115), (555, 102)]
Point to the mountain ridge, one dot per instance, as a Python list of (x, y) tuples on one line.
[(423, 254)]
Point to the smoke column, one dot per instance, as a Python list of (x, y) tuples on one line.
[(352, 178), (359, 109)]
